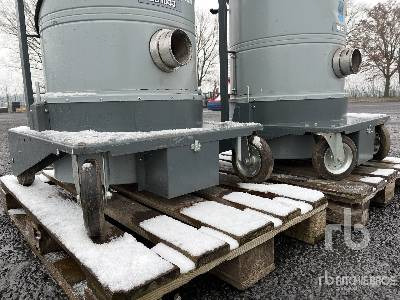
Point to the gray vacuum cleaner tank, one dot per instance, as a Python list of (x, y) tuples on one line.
[(97, 50), (290, 51)]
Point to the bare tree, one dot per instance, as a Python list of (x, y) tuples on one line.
[(207, 46), (354, 13), (378, 35), (8, 25)]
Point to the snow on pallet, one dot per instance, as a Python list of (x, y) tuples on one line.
[(372, 182), (156, 245)]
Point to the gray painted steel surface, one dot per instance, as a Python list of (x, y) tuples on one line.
[(284, 51), (180, 168), (98, 50), (123, 66)]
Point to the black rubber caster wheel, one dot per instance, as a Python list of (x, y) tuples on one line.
[(26, 179), (260, 165), (382, 142), (92, 201), (325, 164)]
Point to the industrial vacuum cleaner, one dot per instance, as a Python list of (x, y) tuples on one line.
[(288, 63), (122, 104)]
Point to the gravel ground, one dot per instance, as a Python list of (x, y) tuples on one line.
[(299, 267)]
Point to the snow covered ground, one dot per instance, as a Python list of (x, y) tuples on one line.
[(299, 267)]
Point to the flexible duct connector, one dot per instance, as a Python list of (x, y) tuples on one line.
[(170, 49), (346, 62)]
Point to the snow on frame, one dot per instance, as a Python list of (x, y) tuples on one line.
[(225, 218), (121, 265), (182, 236), (285, 190), (365, 116), (93, 138), (184, 264), (260, 203)]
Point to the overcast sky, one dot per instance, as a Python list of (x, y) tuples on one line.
[(12, 78)]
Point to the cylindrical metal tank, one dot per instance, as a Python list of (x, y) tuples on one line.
[(120, 51), (284, 59), (103, 46), (121, 65)]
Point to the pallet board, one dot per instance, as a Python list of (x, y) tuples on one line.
[(148, 219), (373, 182)]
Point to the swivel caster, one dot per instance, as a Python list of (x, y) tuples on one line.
[(259, 166), (330, 168)]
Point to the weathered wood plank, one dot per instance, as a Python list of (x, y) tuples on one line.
[(131, 214), (382, 165), (160, 287), (372, 172), (217, 193), (20, 222), (102, 292), (232, 181), (300, 175), (173, 208)]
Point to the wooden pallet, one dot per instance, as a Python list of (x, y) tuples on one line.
[(241, 258), (373, 182)]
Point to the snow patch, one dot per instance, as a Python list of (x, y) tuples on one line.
[(372, 180), (50, 173), (180, 235), (225, 157), (70, 94), (94, 138), (277, 222), (392, 160), (285, 190), (257, 142), (365, 116), (16, 212), (226, 218), (227, 153), (43, 178), (120, 265), (304, 207), (260, 203), (184, 264), (383, 172), (87, 166), (233, 244)]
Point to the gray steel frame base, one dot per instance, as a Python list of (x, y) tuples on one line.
[(167, 164), (290, 126)]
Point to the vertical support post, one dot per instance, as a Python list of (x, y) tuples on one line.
[(24, 53), (223, 55)]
